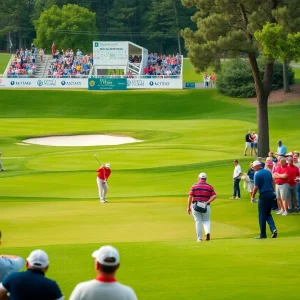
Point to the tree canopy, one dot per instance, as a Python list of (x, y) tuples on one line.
[(154, 24), (60, 26)]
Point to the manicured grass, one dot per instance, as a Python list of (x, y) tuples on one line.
[(49, 197), (4, 58), (297, 74), (189, 73)]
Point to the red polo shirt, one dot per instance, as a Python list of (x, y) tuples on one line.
[(201, 191), (104, 173), (293, 172), (281, 170)]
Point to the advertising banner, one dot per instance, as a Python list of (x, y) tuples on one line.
[(107, 84), (154, 83), (48, 83)]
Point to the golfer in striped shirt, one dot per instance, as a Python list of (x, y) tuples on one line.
[(203, 193)]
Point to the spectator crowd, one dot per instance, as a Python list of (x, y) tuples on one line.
[(24, 62), (285, 169), (66, 63)]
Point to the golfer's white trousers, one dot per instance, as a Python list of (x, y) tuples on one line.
[(202, 219), (102, 188)]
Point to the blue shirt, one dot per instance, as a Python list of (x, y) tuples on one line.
[(251, 174), (9, 265), (263, 180), (281, 150), (31, 284)]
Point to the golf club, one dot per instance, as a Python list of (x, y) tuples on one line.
[(95, 156)]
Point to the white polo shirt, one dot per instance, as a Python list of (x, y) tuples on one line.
[(237, 170), (99, 290)]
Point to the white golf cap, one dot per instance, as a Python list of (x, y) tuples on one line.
[(256, 163), (105, 252), (38, 259), (107, 165), (202, 175)]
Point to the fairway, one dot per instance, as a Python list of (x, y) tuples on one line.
[(49, 197)]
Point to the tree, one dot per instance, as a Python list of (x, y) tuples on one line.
[(164, 21), (71, 26), (15, 18), (227, 27), (276, 43)]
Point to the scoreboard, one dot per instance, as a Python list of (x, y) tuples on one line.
[(110, 53)]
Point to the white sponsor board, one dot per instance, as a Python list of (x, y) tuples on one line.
[(154, 83), (59, 83), (110, 53), (82, 83)]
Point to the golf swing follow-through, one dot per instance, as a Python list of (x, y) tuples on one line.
[(103, 174)]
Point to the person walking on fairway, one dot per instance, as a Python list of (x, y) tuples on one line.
[(103, 174), (201, 195), (105, 285), (263, 182)]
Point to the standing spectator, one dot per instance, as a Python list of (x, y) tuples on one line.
[(280, 174), (213, 80), (31, 284), (103, 174), (9, 264), (263, 183), (255, 143), (203, 194), (250, 174), (53, 49), (237, 173), (32, 49), (248, 139), (105, 286), (281, 149), (41, 54), (1, 165), (293, 173)]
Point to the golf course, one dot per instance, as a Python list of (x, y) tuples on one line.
[(49, 197)]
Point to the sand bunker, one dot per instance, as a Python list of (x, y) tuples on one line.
[(81, 140)]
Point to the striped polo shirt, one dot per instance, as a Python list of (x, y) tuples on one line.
[(201, 191)]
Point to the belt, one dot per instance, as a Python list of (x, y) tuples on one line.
[(281, 183)]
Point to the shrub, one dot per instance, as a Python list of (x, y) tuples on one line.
[(236, 80)]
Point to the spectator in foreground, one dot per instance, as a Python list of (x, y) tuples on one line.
[(9, 264), (105, 286), (32, 283)]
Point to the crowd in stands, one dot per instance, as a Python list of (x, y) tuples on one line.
[(24, 62), (66, 63), (163, 65)]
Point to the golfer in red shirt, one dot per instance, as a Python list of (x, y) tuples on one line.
[(103, 174), (204, 193)]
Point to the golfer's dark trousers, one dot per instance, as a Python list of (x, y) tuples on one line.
[(264, 212), (236, 188)]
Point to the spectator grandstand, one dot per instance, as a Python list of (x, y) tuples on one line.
[(65, 64), (23, 63)]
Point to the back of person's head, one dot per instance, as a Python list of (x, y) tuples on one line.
[(38, 260), (107, 259)]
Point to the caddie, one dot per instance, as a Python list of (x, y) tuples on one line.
[(200, 197)]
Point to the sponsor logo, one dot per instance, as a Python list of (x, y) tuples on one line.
[(20, 83), (107, 44), (135, 82), (40, 82), (92, 83), (68, 83), (47, 82), (159, 83)]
